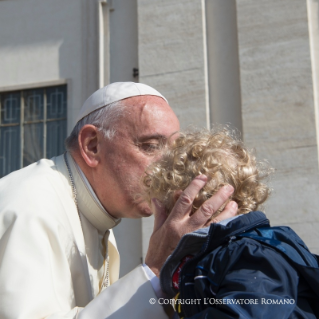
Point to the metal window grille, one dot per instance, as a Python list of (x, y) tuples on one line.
[(32, 126)]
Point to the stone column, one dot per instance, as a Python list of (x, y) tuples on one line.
[(223, 63), (123, 58)]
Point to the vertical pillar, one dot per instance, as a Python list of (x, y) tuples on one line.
[(313, 24), (123, 40), (123, 59), (223, 63), (104, 43)]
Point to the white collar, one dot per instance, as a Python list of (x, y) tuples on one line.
[(88, 203)]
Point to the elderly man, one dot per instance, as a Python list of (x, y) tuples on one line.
[(57, 249)]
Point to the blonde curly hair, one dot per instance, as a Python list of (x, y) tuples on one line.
[(218, 154)]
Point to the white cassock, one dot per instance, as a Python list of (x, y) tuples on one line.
[(55, 264)]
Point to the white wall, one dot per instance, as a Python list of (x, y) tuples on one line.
[(278, 108), (47, 41)]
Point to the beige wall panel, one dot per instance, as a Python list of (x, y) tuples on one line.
[(278, 107), (172, 59), (171, 55)]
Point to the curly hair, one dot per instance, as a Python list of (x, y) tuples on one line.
[(218, 154)]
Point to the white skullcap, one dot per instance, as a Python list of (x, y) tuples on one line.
[(114, 92)]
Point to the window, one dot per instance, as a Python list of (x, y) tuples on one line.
[(32, 126)]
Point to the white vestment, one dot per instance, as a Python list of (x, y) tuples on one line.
[(52, 262)]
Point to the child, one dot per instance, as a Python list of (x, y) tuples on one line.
[(240, 268), (217, 154)]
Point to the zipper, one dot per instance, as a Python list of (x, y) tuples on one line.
[(231, 239)]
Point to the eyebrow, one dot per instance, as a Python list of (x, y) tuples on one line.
[(152, 137)]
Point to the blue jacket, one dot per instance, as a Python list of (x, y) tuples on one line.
[(244, 269)]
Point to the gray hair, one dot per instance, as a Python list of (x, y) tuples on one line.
[(104, 119)]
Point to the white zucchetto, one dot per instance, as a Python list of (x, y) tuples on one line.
[(115, 92)]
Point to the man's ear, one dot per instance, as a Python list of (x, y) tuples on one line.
[(88, 140)]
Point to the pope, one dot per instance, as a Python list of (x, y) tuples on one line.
[(58, 256)]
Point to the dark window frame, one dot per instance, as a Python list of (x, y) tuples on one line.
[(42, 112)]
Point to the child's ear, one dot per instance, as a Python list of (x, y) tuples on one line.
[(177, 194)]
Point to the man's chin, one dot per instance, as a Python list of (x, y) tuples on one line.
[(147, 214), (144, 210)]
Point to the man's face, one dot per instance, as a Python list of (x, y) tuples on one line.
[(148, 121)]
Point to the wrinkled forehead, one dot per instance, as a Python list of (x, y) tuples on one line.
[(148, 115)]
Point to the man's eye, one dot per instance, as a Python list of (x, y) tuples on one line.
[(150, 147)]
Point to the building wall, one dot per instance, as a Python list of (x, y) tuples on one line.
[(278, 107), (273, 80), (42, 44)]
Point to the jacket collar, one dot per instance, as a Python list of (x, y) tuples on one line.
[(88, 203), (205, 239), (238, 225)]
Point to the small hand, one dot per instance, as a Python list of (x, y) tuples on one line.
[(168, 230)]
